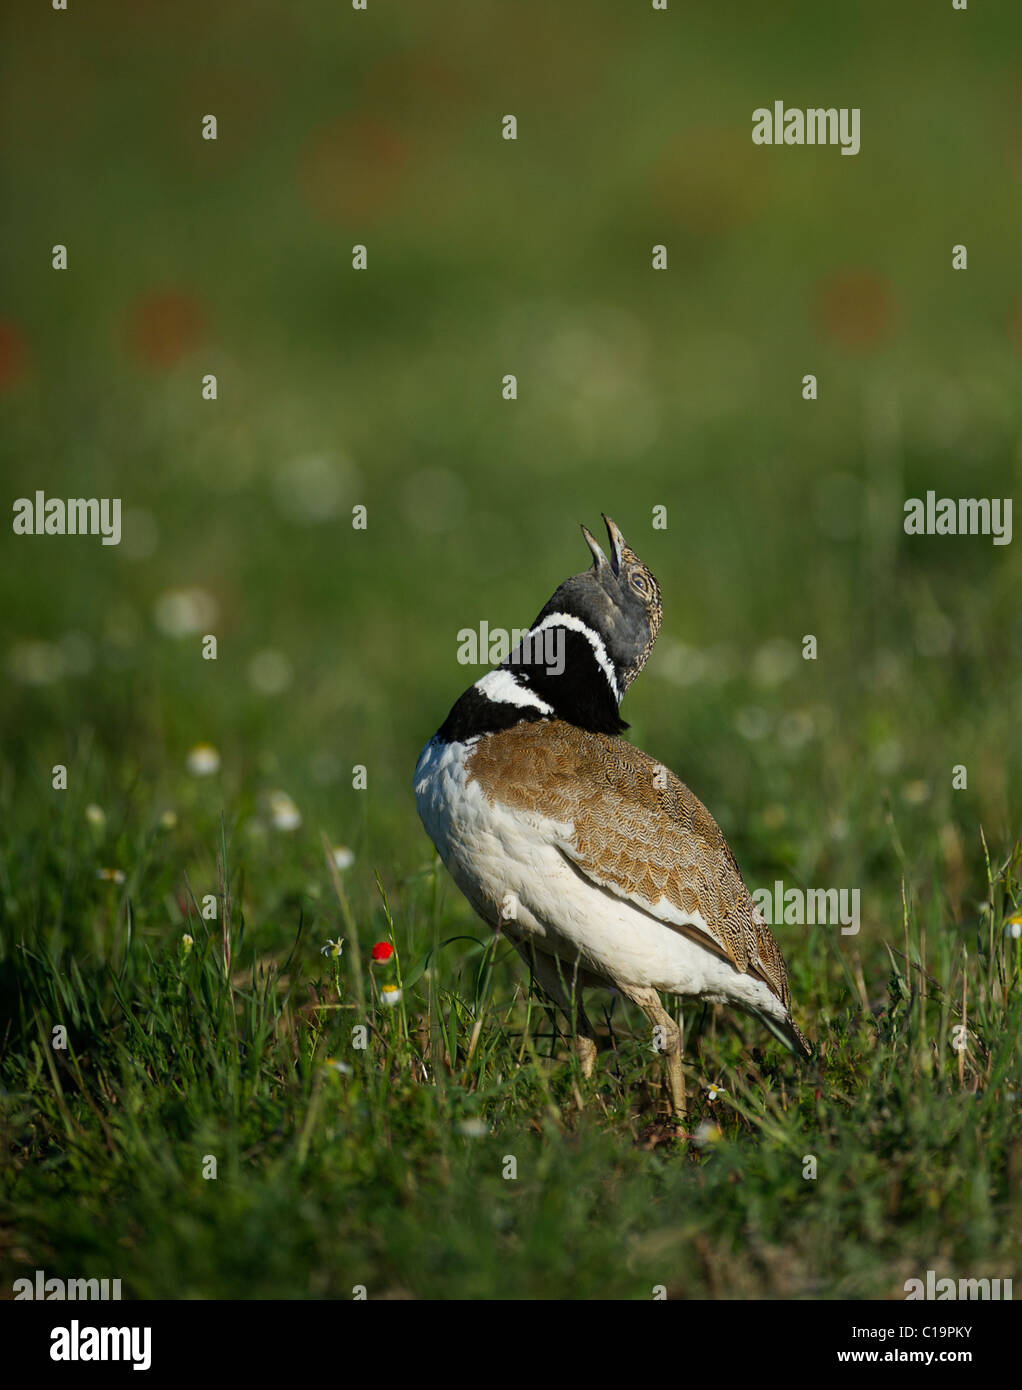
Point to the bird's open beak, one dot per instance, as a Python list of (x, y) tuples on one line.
[(617, 545), (617, 542), (600, 561)]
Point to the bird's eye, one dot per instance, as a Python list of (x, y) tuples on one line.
[(638, 583)]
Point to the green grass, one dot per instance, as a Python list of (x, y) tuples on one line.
[(636, 390), (327, 1179)]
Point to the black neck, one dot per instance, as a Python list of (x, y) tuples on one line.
[(580, 692), (577, 692)]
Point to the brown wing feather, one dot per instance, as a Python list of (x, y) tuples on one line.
[(638, 831)]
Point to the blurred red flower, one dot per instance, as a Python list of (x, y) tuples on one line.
[(163, 327), (383, 950), (13, 354), (351, 171), (853, 309)]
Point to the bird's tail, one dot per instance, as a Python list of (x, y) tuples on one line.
[(787, 1031)]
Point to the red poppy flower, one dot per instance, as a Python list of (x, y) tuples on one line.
[(13, 354), (383, 950), (164, 326)]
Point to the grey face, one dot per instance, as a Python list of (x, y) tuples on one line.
[(618, 599)]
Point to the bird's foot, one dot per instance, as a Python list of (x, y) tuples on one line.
[(585, 1049)]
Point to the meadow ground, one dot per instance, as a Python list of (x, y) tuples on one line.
[(389, 1166)]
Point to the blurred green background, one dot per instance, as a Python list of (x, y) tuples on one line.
[(636, 389)]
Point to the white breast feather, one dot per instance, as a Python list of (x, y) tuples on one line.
[(491, 850)]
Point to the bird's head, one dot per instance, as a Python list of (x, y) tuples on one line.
[(618, 600)]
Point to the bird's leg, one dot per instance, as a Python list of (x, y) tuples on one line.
[(560, 985), (666, 1039)]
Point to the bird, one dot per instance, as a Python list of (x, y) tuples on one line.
[(591, 857)]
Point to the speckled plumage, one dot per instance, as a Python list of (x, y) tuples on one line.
[(636, 830), (618, 874)]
